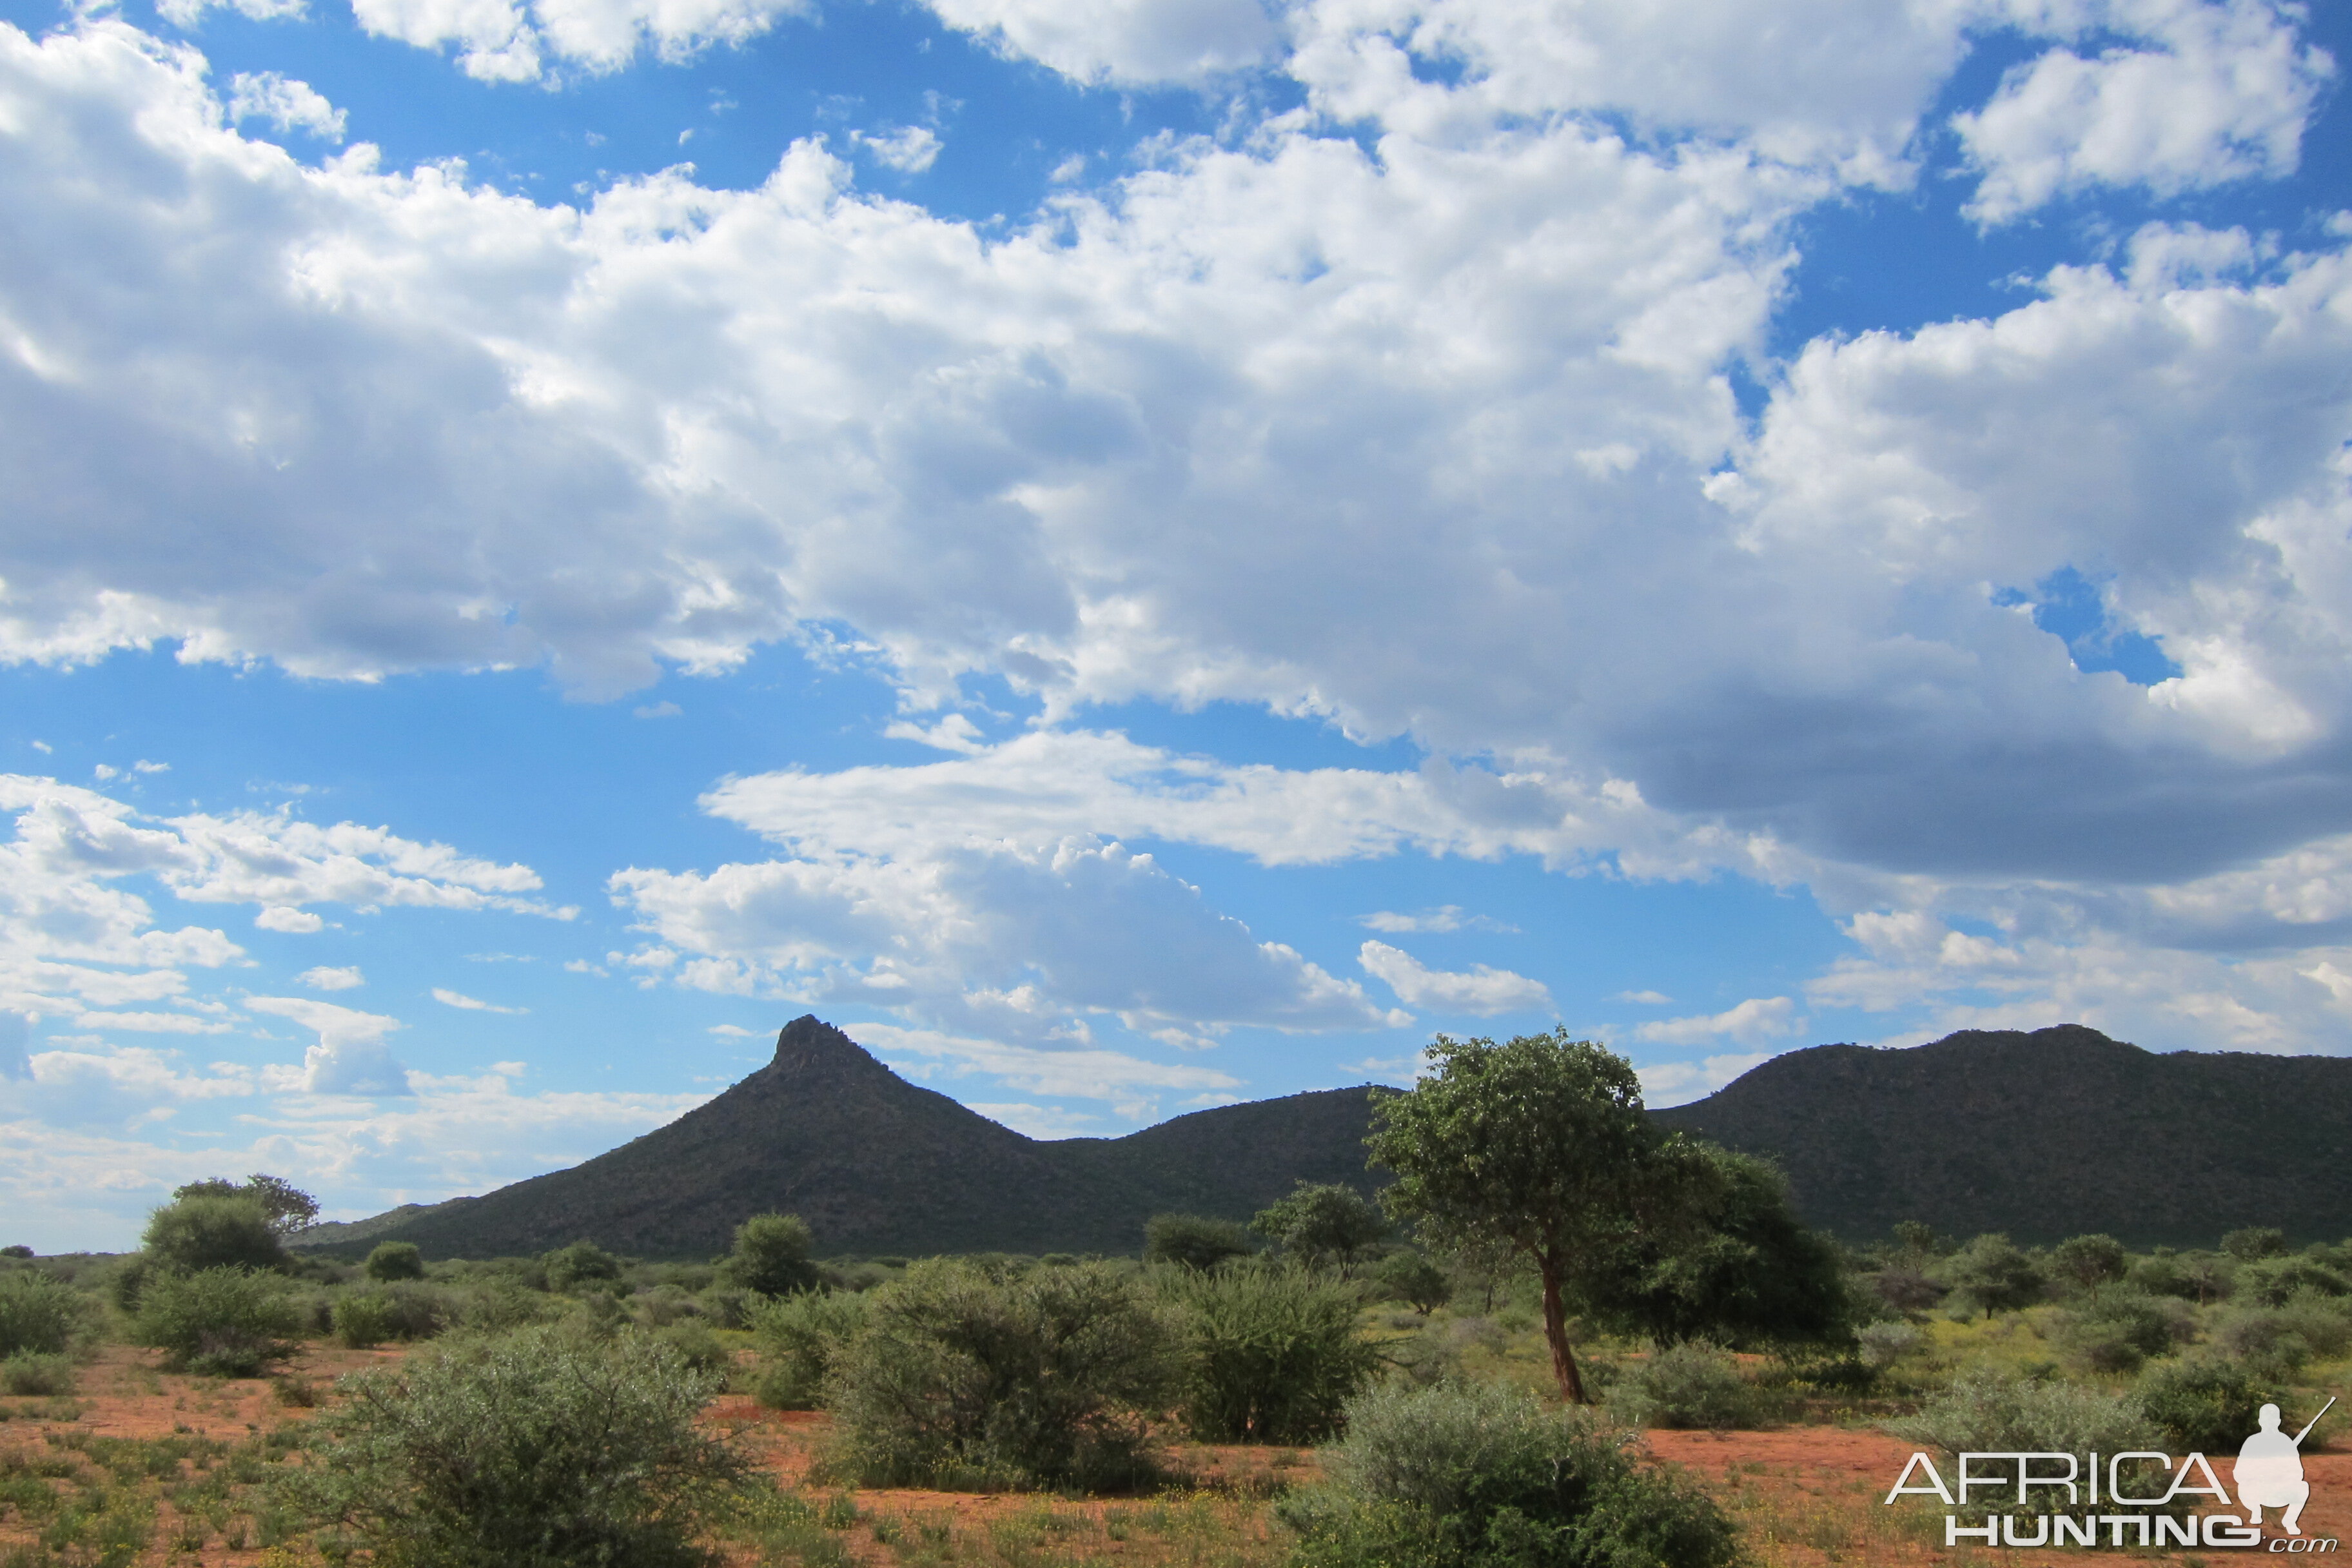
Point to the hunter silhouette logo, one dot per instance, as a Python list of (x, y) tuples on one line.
[(2078, 1502)]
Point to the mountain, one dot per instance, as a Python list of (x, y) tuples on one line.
[(877, 1165), (2043, 1135), (2046, 1135)]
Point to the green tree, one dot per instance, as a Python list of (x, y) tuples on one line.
[(772, 1256), (1993, 1275), (1321, 1223), (223, 1323), (206, 1230), (1412, 1277), (2254, 1241), (582, 1262), (1540, 1142), (1192, 1241), (1271, 1352), (395, 1260), (287, 1207), (2086, 1262), (1747, 1274)]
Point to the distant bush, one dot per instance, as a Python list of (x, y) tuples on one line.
[(395, 1260), (2271, 1280), (799, 1339), (1271, 1352), (2254, 1241), (1991, 1275), (1412, 1278), (361, 1321), (582, 1263), (970, 1375), (1482, 1477), (2161, 1274), (225, 1323), (1905, 1288), (37, 1313), (1987, 1412), (772, 1256), (2086, 1262), (1322, 1223), (27, 1372), (1692, 1384), (1192, 1241), (729, 1306), (2277, 1340), (2114, 1328), (15, 1249), (535, 1449), (1885, 1343), (2207, 1405), (201, 1232)]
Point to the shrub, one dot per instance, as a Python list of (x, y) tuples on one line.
[(1322, 1223), (2208, 1406), (1190, 1241), (1485, 1477), (361, 1321), (2272, 1280), (1692, 1384), (1885, 1343), (225, 1323), (2116, 1328), (1905, 1288), (2278, 1340), (966, 1375), (582, 1263), (1270, 1353), (33, 1373), (1988, 1412), (203, 1232), (37, 1313), (1411, 1277), (772, 1256), (2254, 1241), (698, 1348), (727, 1306), (395, 1260), (2086, 1262), (800, 1337), (535, 1449), (1991, 1275)]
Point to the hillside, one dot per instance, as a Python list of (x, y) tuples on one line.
[(2043, 1135), (2046, 1135)]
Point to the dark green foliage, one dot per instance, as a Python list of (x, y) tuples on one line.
[(2278, 1340), (698, 1347), (1746, 1274), (2269, 1281), (15, 1249), (285, 1206), (212, 1231), (2206, 1405), (2254, 1241), (361, 1321), (223, 1323), (2114, 1328), (1690, 1385), (582, 1263), (30, 1373), (395, 1260), (800, 1337), (771, 1256), (538, 1449), (1271, 1352), (966, 1375), (2086, 1262), (1989, 1275), (1190, 1241), (1412, 1278), (1455, 1476), (37, 1313), (1321, 1223)]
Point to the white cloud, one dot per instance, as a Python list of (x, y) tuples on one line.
[(143, 767), (909, 149), (1074, 1074), (470, 1004), (289, 106), (1758, 1017), (1479, 990), (736, 1032), (323, 978), (1448, 917), (298, 922), (1040, 1121), (504, 40), (1678, 1083), (1645, 998), (1121, 40), (656, 710), (187, 14)]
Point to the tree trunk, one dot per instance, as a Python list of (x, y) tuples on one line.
[(1563, 1360)]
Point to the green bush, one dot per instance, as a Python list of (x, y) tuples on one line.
[(2272, 1280), (2207, 1405), (1271, 1353), (582, 1263), (1484, 1476), (1991, 1275), (199, 1233), (37, 1312), (966, 1375), (1987, 1412), (799, 1339), (1885, 1343), (33, 1373), (1412, 1278), (2278, 1340), (361, 1321), (395, 1260), (1193, 1241), (2087, 1262), (1692, 1384), (2254, 1241), (1322, 1223), (691, 1340), (772, 1256), (224, 1323), (2114, 1328), (536, 1449)]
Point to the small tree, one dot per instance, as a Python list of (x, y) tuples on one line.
[(2087, 1262), (286, 1206), (582, 1262), (1322, 1223), (1540, 1142), (1992, 1274), (2254, 1241), (224, 1323), (395, 1260), (772, 1256), (1271, 1352), (38, 1314), (1412, 1278), (208, 1230), (1190, 1241)]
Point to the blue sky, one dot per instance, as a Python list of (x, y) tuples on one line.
[(1138, 555)]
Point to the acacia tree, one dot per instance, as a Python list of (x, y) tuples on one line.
[(287, 1207), (1539, 1144)]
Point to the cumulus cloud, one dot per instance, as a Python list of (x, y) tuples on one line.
[(1758, 1017), (324, 978), (501, 40), (1480, 989), (909, 149), (1129, 1082), (289, 106), (351, 1056), (1121, 40), (1448, 917), (470, 1004), (1677, 1083)]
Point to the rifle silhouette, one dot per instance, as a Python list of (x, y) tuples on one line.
[(2324, 1409)]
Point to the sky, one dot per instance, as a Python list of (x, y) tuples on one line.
[(1138, 554)]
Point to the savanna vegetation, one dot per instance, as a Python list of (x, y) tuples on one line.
[(1493, 1367)]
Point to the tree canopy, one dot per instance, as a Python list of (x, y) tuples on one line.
[(285, 1206), (1322, 1222)]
